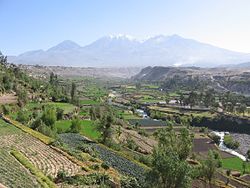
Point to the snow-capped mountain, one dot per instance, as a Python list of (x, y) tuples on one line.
[(123, 50)]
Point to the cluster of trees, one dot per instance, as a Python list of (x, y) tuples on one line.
[(228, 101), (169, 166), (104, 117), (206, 98)]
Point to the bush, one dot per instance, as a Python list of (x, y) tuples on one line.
[(230, 143), (75, 125), (95, 167), (49, 117), (129, 182), (215, 138), (132, 145), (6, 109), (59, 114), (61, 176), (105, 165), (22, 117)]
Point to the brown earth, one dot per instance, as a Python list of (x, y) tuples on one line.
[(8, 99), (2, 186), (145, 144)]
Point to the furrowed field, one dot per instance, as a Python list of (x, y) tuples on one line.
[(40, 155)]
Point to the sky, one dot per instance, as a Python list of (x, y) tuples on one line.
[(40, 24)]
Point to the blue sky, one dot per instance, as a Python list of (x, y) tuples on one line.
[(40, 24)]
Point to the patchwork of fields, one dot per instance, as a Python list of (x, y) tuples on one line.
[(42, 156)]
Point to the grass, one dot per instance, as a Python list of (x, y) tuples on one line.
[(234, 163), (67, 107), (45, 139), (87, 128), (41, 178), (7, 129), (88, 102)]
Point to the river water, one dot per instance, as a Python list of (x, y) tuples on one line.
[(224, 148)]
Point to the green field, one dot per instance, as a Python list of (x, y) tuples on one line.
[(88, 102), (7, 129), (88, 129), (234, 163), (65, 106)]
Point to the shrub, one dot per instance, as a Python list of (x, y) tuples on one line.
[(61, 176), (230, 143), (95, 167), (59, 114), (215, 138), (105, 165), (49, 116), (75, 125), (129, 182), (6, 109), (22, 117)]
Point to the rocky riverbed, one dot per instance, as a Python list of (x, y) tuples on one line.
[(244, 140)]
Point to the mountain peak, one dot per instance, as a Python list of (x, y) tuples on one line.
[(64, 46)]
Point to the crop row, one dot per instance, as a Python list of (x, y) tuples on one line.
[(42, 156), (13, 174), (118, 162)]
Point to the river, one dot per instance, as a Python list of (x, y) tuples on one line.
[(224, 148)]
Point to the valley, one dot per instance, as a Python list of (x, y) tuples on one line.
[(105, 126)]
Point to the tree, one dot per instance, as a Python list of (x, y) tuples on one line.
[(209, 166), (73, 91), (22, 96), (242, 109), (169, 168), (59, 113), (104, 126), (22, 117), (209, 98), (181, 144), (228, 172), (75, 125), (244, 166), (192, 99), (49, 116)]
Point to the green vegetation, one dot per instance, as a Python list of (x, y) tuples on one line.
[(88, 128), (230, 142), (235, 163), (41, 178), (38, 135)]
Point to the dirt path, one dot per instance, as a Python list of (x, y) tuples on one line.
[(2, 186), (8, 99)]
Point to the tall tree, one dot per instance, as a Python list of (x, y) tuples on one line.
[(169, 168), (73, 91)]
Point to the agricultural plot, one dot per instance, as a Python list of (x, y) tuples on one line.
[(87, 128), (42, 156), (118, 162), (235, 163), (88, 102), (13, 174), (67, 107)]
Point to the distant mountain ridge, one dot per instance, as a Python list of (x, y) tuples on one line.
[(123, 50)]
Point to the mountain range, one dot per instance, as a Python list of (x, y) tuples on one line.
[(125, 51)]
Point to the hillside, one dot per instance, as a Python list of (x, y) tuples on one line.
[(125, 51), (222, 79)]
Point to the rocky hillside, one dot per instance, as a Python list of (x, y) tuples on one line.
[(222, 79)]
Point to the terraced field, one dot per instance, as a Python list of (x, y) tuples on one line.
[(39, 154), (13, 174)]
